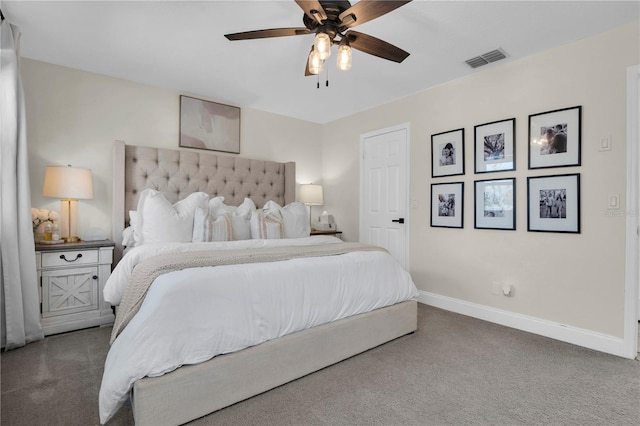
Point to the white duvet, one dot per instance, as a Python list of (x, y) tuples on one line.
[(192, 315)]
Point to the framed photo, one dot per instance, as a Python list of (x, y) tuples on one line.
[(447, 153), (554, 138), (494, 146), (209, 125), (554, 203), (447, 204), (495, 204)]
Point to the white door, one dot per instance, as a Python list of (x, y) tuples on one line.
[(384, 190)]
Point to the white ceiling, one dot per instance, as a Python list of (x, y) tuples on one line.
[(180, 45)]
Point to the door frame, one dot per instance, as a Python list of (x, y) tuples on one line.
[(407, 127), (632, 270)]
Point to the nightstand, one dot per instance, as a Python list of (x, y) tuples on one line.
[(72, 277)]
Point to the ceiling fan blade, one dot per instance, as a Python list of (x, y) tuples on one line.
[(274, 32), (374, 46), (313, 9), (367, 10)]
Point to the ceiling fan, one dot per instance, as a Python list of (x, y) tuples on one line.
[(331, 21)]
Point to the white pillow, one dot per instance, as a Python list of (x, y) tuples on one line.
[(266, 225), (246, 208), (160, 222), (294, 217), (127, 237), (241, 217), (208, 228), (217, 207), (133, 219)]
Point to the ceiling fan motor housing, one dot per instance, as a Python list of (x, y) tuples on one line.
[(332, 25)]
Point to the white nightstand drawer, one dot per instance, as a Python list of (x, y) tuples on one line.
[(69, 258)]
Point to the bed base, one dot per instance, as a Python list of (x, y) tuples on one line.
[(194, 391)]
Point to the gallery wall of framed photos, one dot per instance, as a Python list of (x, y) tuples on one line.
[(553, 200)]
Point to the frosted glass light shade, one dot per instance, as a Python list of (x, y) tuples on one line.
[(344, 57), (311, 195), (315, 63), (322, 45)]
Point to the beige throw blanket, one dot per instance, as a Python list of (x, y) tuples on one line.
[(148, 270)]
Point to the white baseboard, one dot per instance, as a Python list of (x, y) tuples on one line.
[(577, 336)]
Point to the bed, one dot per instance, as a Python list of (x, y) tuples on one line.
[(312, 330)]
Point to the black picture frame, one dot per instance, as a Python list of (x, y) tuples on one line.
[(447, 153), (447, 205), (554, 203), (495, 204), (494, 146), (555, 138)]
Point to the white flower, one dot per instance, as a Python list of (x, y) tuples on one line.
[(43, 214)]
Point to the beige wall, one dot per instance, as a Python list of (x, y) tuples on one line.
[(578, 280), (573, 279), (74, 116)]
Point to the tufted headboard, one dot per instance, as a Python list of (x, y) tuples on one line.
[(178, 173)]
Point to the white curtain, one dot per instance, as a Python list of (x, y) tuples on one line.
[(19, 300)]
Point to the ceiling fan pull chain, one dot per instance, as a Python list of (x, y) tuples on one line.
[(326, 83), (318, 83)]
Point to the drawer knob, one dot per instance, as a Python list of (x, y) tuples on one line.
[(63, 257), (95, 277)]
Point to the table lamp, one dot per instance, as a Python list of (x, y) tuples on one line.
[(311, 195), (70, 184)]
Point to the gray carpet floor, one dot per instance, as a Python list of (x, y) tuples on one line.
[(455, 370)]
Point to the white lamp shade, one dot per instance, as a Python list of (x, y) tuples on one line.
[(311, 195), (68, 183)]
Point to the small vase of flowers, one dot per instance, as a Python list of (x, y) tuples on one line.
[(41, 219)]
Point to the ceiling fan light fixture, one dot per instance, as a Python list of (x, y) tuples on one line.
[(315, 62), (333, 20), (322, 45), (344, 56)]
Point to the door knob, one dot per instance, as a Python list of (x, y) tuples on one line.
[(401, 220)]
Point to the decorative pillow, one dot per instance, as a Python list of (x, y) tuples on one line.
[(158, 221), (294, 217), (217, 207), (133, 218), (127, 237), (208, 228), (266, 225), (241, 217), (246, 208)]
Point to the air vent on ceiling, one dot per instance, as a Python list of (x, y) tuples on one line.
[(494, 55)]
